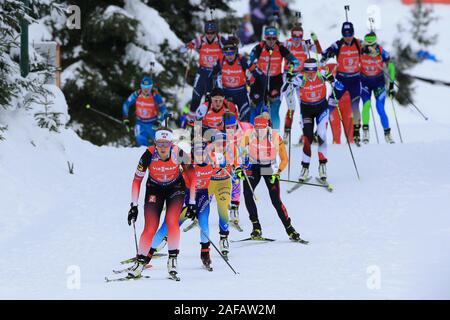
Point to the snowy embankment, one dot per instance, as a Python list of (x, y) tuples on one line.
[(392, 228), (394, 220)]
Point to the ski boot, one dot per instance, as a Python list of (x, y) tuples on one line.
[(172, 266), (323, 171), (294, 235), (205, 257), (224, 245), (234, 215), (136, 270), (304, 174), (256, 232), (366, 134), (356, 136), (387, 136)]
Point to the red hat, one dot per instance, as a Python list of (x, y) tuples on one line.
[(261, 122)]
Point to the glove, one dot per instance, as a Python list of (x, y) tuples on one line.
[(391, 90), (314, 36), (191, 117), (275, 177), (239, 173), (126, 123), (132, 214), (191, 212)]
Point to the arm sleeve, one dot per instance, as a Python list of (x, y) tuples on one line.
[(128, 103), (144, 162), (289, 56), (283, 154), (255, 53), (331, 51), (191, 180), (162, 108)]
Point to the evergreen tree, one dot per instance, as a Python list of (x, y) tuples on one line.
[(406, 53)]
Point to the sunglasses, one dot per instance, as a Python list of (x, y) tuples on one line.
[(163, 144), (271, 38), (210, 33), (229, 53)]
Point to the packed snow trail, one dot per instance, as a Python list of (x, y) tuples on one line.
[(395, 219)]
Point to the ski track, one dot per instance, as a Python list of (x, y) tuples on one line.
[(394, 218)]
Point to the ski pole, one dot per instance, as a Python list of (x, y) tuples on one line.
[(346, 135), (396, 120), (305, 183), (407, 98), (88, 106), (289, 161), (135, 238), (412, 103), (374, 125), (249, 184), (218, 251)]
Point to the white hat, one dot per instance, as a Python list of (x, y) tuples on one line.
[(163, 135)]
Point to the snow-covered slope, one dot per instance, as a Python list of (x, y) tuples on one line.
[(394, 223)]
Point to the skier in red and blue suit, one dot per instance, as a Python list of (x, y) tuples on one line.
[(233, 70), (150, 111), (209, 47), (348, 77)]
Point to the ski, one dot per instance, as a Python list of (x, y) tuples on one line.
[(302, 241), (127, 278), (235, 224), (192, 225), (326, 184), (254, 239), (147, 266), (155, 256), (298, 185), (173, 276)]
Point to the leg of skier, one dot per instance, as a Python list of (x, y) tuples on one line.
[(322, 123), (366, 94), (254, 177)]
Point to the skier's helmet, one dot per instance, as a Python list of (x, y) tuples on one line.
[(370, 38), (211, 27), (146, 83), (297, 32), (230, 48), (217, 92), (347, 30), (271, 32), (310, 65)]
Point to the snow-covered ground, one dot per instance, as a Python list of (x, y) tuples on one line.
[(386, 236)]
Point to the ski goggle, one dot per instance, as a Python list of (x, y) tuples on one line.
[(229, 53), (146, 87), (297, 35), (370, 40), (163, 144)]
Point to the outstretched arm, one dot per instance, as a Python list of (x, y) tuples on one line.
[(128, 103), (144, 162)]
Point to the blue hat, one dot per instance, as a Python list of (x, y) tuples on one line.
[(211, 26), (271, 31), (146, 83), (230, 119), (347, 29)]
